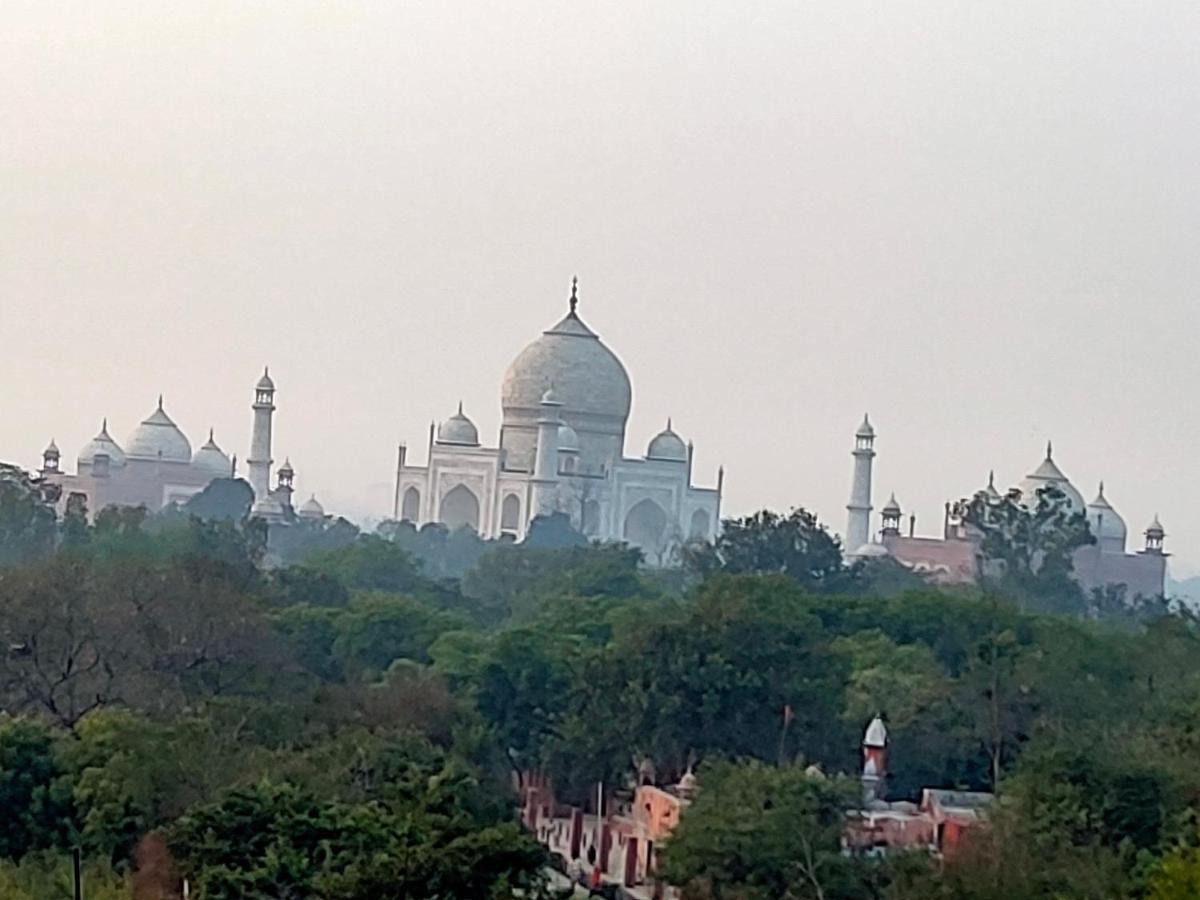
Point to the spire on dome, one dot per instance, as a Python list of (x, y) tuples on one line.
[(160, 401), (574, 293), (1049, 450)]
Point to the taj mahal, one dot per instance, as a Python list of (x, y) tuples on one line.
[(565, 401)]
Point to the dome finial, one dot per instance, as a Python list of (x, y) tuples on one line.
[(160, 401), (1049, 450), (669, 428), (574, 293), (992, 478), (460, 412)]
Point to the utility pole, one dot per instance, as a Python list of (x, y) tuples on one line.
[(77, 865)]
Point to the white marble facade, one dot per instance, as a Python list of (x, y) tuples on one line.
[(570, 391)]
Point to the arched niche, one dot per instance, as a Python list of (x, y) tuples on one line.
[(460, 507)]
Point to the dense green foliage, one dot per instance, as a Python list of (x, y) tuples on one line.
[(325, 714)]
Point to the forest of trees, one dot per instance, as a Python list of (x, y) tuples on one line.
[(346, 724)]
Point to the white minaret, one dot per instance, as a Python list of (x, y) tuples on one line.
[(259, 463), (858, 522), (545, 465)]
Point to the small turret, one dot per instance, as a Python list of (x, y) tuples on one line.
[(1154, 537), (892, 515), (50, 458)]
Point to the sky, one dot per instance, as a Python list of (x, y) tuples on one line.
[(977, 221)]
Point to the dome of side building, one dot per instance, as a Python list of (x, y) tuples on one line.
[(1106, 524), (1046, 474), (102, 443), (211, 460), (158, 438)]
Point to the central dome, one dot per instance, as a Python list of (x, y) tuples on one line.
[(158, 438), (587, 378)]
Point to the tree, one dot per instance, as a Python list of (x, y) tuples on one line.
[(1028, 550), (28, 522), (35, 791), (757, 832), (229, 499), (796, 545)]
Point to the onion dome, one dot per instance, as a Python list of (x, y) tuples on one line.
[(870, 550), (51, 451), (458, 429), (312, 509), (568, 440), (1106, 524), (265, 383), (102, 443), (1048, 473), (667, 445), (1155, 529), (157, 437), (892, 508), (877, 733), (865, 430), (589, 381), (211, 459), (286, 469)]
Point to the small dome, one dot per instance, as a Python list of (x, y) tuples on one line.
[(312, 509), (286, 468), (892, 507), (211, 459), (568, 440), (1046, 474), (458, 429), (1155, 529), (870, 550), (51, 450), (157, 437), (865, 430), (877, 734), (265, 383), (1106, 524), (667, 445), (102, 443)]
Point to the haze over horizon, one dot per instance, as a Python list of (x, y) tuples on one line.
[(978, 222)]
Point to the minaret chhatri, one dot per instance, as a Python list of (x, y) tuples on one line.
[(545, 465), (259, 463), (858, 522)]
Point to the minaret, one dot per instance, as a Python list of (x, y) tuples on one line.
[(259, 462), (874, 749), (545, 466), (858, 522)]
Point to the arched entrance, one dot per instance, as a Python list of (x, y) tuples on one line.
[(510, 514), (646, 527), (410, 509), (460, 507), (699, 529)]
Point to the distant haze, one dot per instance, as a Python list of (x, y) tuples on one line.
[(979, 221)]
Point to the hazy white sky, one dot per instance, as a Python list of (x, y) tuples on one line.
[(977, 220)]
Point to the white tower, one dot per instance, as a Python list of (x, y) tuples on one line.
[(259, 463), (545, 466), (858, 522)]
